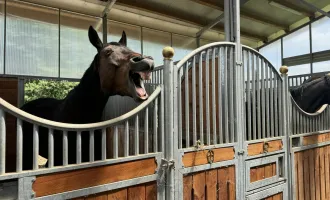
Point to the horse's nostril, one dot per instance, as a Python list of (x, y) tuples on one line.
[(137, 59)]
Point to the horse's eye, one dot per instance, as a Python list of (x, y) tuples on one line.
[(108, 52)]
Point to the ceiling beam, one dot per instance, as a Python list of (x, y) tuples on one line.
[(215, 21), (245, 15), (286, 5), (314, 8), (108, 7), (191, 19)]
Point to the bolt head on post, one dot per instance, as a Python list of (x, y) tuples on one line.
[(284, 69), (168, 53)]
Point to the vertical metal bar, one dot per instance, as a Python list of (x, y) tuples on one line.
[(193, 69), (115, 143), (104, 144), (2, 142), (179, 103), (126, 143), (231, 94), (310, 47), (207, 94), (91, 146), (263, 108), (271, 87), (187, 114), (65, 148), (105, 28), (258, 88), (162, 122), (220, 106), (227, 20), (35, 146), (19, 146), (254, 116), (59, 42), (226, 129), (214, 104), (78, 147), (136, 135), (50, 148), (267, 107), (275, 105), (146, 131), (280, 105), (200, 95), (155, 120), (248, 96)]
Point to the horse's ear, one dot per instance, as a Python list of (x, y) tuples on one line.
[(94, 38), (123, 39)]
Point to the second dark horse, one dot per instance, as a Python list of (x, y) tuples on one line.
[(115, 70)]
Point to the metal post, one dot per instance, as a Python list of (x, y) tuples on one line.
[(168, 53), (285, 118), (234, 8), (105, 28), (227, 20)]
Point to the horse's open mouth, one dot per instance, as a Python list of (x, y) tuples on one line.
[(138, 82)]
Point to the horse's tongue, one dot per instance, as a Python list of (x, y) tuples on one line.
[(141, 92)]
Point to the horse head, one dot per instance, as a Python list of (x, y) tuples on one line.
[(121, 70)]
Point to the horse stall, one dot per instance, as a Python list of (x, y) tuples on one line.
[(186, 141)]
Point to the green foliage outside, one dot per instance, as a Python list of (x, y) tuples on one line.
[(35, 89)]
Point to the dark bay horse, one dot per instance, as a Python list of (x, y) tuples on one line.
[(312, 93), (115, 70)]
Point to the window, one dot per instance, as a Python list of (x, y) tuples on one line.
[(299, 69), (77, 53), (133, 34), (31, 40), (272, 53), (182, 46), (321, 34), (153, 44), (2, 37), (297, 43), (321, 66)]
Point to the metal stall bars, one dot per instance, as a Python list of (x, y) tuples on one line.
[(122, 154)]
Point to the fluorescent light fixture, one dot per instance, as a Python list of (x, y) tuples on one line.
[(275, 4)]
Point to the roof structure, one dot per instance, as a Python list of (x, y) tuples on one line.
[(261, 20)]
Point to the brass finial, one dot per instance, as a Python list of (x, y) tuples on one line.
[(168, 52), (284, 69)]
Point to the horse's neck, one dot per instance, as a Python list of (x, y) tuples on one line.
[(84, 103)]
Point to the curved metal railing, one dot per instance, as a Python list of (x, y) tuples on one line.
[(126, 140), (304, 122)]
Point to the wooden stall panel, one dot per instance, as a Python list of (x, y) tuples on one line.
[(312, 174), (78, 179), (200, 157), (262, 172), (9, 92), (261, 147), (146, 191), (317, 138), (278, 196), (216, 184)]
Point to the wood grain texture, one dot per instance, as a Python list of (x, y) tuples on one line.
[(210, 184), (312, 173), (120, 194), (258, 148), (314, 139), (200, 157), (151, 191), (136, 192), (199, 185), (262, 172), (73, 180)]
